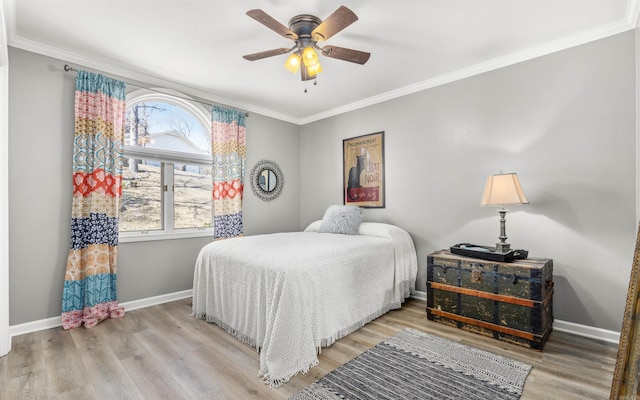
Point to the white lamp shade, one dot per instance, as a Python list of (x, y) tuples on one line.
[(503, 189)]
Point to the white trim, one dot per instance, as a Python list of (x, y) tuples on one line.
[(172, 156), (591, 332), (490, 65), (633, 12), (55, 322), (122, 70), (154, 301), (418, 295), (107, 66), (558, 325), (637, 98), (130, 237), (626, 24), (4, 56), (5, 337), (192, 106)]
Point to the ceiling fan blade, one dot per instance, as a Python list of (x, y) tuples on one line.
[(268, 21), (265, 54), (354, 56), (334, 23)]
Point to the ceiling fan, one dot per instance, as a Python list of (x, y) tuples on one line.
[(306, 31)]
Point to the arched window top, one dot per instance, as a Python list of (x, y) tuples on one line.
[(162, 121)]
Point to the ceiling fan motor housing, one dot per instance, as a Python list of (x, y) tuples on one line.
[(302, 25)]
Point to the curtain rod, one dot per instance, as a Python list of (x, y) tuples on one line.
[(69, 68)]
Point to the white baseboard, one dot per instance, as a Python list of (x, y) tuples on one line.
[(54, 322), (419, 295), (152, 301), (564, 326), (558, 325), (586, 331)]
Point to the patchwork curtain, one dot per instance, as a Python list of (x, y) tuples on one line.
[(89, 294), (229, 143)]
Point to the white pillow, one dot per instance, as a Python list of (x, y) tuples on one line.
[(341, 219), (314, 226)]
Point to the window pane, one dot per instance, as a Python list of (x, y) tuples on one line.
[(141, 207), (192, 196), (161, 125)]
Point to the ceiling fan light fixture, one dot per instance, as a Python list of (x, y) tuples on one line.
[(306, 30), (293, 63), (306, 75), (315, 70), (309, 57)]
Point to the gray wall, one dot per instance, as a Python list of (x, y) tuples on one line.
[(271, 139), (564, 122), (41, 125)]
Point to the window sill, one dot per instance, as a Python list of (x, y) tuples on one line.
[(132, 237)]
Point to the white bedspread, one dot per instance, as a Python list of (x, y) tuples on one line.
[(289, 294)]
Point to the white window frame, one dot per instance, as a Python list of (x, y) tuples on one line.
[(169, 158)]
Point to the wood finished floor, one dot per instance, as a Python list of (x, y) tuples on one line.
[(161, 352)]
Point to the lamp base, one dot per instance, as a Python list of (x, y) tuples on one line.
[(503, 248)]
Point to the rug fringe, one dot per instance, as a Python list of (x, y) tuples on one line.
[(512, 384), (380, 382)]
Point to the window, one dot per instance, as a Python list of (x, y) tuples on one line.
[(167, 183)]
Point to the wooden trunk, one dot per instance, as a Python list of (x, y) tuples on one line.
[(511, 301)]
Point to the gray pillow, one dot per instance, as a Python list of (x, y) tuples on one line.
[(341, 219)]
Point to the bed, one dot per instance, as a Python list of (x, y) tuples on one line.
[(290, 294)]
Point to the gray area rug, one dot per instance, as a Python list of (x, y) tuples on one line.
[(417, 365)]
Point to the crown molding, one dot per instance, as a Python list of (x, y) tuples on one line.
[(490, 65), (4, 57), (146, 81), (633, 12), (630, 22)]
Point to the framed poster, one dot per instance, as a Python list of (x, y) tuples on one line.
[(363, 171)]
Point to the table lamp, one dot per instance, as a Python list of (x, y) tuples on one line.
[(501, 190)]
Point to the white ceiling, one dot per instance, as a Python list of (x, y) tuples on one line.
[(414, 44)]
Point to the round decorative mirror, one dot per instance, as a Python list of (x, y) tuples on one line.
[(267, 180)]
